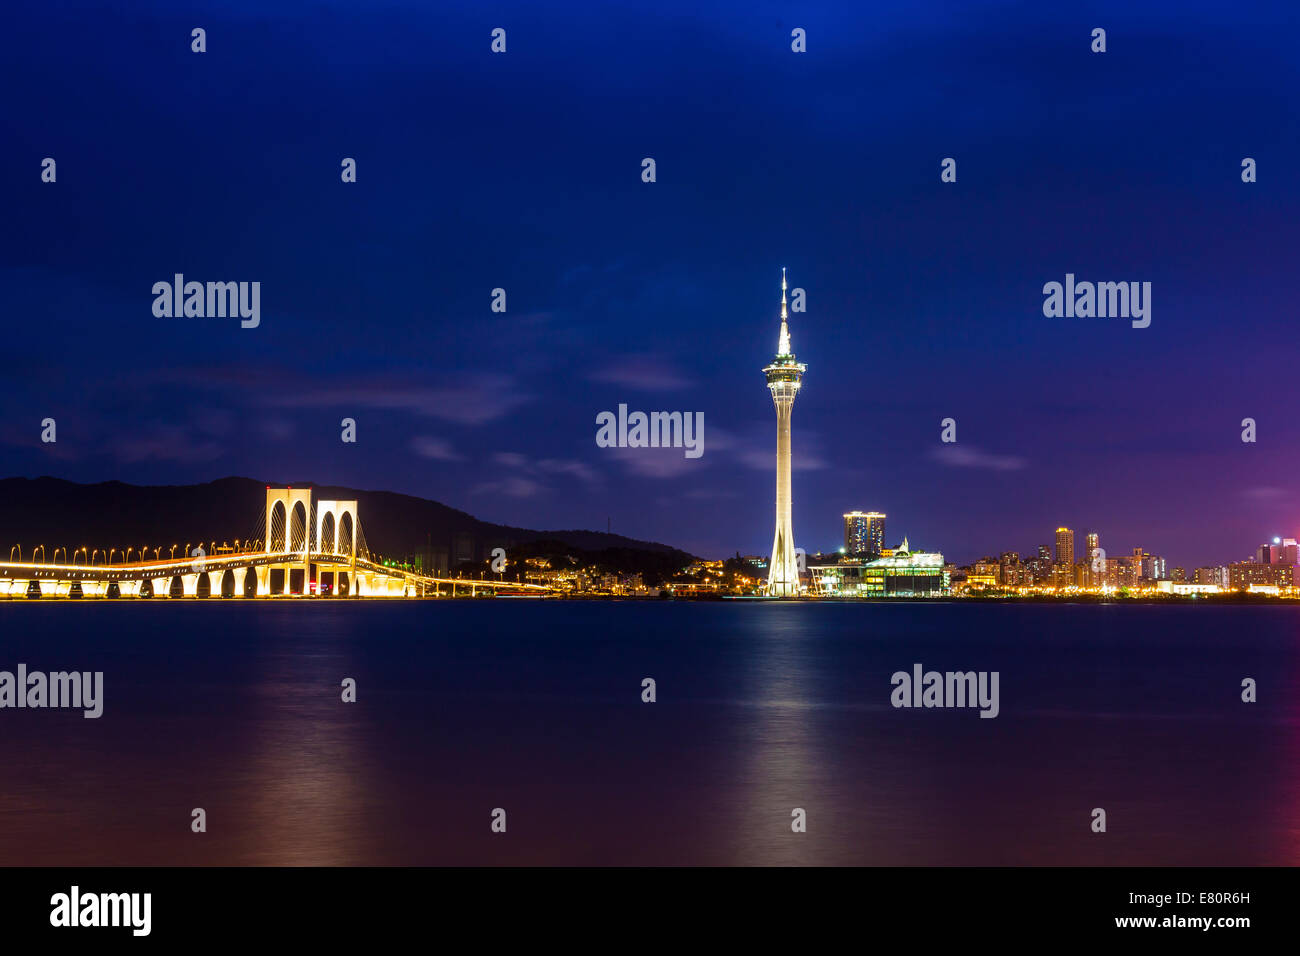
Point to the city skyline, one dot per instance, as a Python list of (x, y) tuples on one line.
[(870, 526)]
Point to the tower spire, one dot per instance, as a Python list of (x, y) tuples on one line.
[(783, 344)]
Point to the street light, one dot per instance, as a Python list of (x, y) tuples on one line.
[(74, 555), (19, 549)]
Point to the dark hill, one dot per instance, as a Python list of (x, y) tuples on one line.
[(60, 513)]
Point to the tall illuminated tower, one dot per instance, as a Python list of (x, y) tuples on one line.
[(783, 377)]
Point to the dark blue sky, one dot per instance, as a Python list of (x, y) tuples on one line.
[(522, 171)]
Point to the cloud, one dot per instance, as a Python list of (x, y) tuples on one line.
[(518, 476), (646, 373), (470, 399), (166, 443), (466, 398), (512, 486), (756, 449), (427, 446), (964, 456), (658, 462), (572, 469)]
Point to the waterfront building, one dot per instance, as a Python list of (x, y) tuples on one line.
[(1065, 546), (905, 573), (864, 532), (1248, 575)]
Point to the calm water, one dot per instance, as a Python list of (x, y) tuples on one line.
[(535, 707)]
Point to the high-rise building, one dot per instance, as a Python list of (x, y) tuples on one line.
[(864, 533), (1278, 551), (1011, 573), (1039, 568), (784, 376), (1153, 568), (1093, 568), (1065, 547), (1244, 574), (1218, 576), (1121, 573)]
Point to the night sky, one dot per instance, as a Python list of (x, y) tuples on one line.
[(523, 171)]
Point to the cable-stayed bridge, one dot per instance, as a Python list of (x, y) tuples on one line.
[(303, 548)]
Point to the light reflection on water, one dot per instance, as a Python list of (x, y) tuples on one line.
[(535, 708)]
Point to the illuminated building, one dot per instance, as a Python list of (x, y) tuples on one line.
[(1245, 575), (905, 573), (1279, 551), (1065, 547), (1011, 573), (1062, 576), (1153, 568), (1178, 587), (864, 533), (984, 573), (1216, 576), (1091, 572), (1039, 569), (784, 376), (1121, 573)]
